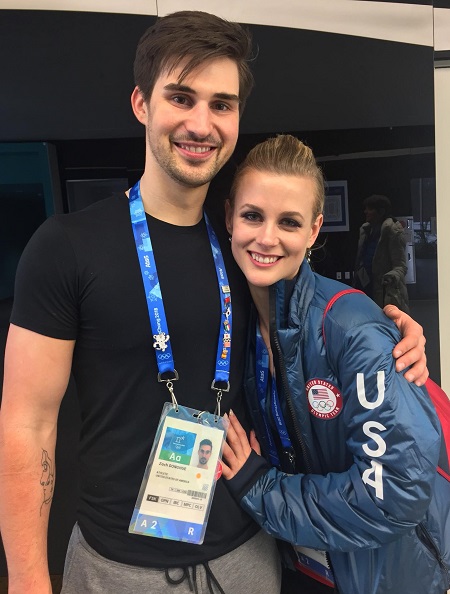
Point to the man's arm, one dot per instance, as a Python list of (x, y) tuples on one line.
[(411, 349), (37, 370)]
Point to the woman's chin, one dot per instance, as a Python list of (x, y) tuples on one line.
[(263, 280)]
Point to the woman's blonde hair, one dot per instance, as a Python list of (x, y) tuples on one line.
[(283, 155)]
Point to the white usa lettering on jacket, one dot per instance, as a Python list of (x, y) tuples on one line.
[(373, 476)]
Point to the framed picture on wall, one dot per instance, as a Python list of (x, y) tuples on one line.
[(335, 211)]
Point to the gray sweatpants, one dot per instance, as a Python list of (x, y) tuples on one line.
[(252, 568)]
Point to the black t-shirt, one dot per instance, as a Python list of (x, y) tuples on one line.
[(79, 278)]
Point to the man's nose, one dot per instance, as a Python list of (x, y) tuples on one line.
[(199, 121)]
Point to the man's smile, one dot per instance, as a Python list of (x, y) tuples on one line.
[(196, 149)]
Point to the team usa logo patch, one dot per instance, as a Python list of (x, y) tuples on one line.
[(324, 399)]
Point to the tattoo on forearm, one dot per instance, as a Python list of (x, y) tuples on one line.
[(47, 478)]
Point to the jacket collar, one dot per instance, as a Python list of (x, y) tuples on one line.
[(291, 298)]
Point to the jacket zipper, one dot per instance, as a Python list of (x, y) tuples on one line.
[(285, 384), (286, 391), (428, 541)]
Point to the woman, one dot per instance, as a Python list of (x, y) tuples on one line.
[(353, 445)]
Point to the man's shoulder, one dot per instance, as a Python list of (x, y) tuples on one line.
[(391, 227), (113, 206), (107, 217)]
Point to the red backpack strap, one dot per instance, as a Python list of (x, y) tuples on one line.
[(330, 304), (442, 406)]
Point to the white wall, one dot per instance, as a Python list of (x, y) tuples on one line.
[(442, 118), (407, 23)]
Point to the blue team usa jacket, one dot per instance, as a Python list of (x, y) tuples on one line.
[(365, 488)]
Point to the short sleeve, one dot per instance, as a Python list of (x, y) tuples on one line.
[(45, 296)]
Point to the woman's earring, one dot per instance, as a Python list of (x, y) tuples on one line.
[(230, 238), (308, 255)]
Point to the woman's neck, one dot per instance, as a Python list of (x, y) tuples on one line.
[(260, 296)]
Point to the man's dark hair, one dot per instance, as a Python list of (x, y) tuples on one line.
[(198, 36), (205, 442), (379, 203)]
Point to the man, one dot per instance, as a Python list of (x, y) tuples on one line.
[(381, 267), (204, 453), (80, 306)]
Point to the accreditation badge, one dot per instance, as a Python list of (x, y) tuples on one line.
[(176, 493), (315, 564)]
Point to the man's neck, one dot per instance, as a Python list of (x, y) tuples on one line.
[(171, 202)]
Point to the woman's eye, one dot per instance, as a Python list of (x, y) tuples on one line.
[(290, 223), (251, 216)]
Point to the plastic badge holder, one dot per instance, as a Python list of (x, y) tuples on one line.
[(177, 489)]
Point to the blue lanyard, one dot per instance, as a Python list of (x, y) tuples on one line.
[(157, 315), (262, 379)]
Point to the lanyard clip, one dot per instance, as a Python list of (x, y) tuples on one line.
[(169, 383), (224, 387), (219, 398), (168, 379), (219, 389)]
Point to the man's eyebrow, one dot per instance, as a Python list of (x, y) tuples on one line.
[(186, 89), (227, 97), (181, 88)]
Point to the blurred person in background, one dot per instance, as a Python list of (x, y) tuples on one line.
[(381, 268)]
